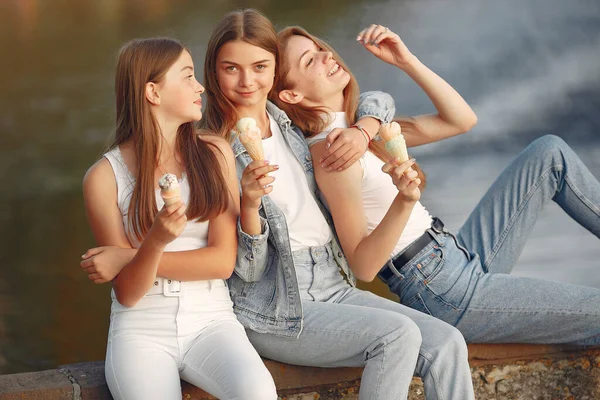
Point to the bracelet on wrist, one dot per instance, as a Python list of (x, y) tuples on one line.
[(364, 132)]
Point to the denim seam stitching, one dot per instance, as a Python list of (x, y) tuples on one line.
[(433, 372), (487, 263), (593, 208)]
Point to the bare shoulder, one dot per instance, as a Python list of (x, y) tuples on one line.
[(219, 145), (99, 174)]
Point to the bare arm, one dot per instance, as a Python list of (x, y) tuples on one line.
[(104, 217), (366, 253), (216, 261), (454, 116)]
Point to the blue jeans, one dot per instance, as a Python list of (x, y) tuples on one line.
[(348, 327), (464, 279)]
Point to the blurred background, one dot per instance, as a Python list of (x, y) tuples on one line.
[(528, 67)]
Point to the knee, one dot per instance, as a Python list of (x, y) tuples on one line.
[(454, 344), (552, 147), (407, 333), (255, 386)]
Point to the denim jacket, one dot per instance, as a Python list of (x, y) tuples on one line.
[(264, 288)]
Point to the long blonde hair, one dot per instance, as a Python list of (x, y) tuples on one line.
[(249, 26), (147, 60)]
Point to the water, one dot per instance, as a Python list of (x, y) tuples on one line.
[(527, 68)]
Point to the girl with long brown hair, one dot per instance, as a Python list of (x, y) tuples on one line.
[(171, 315), (385, 231), (292, 288)]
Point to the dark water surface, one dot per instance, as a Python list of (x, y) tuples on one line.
[(527, 68)]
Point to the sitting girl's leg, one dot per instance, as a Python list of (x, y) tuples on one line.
[(443, 357), (547, 169), (223, 362), (510, 309), (345, 335), (137, 369)]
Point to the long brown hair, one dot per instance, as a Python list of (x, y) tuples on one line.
[(147, 60), (249, 26), (310, 119)]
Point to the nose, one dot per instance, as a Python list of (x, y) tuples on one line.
[(327, 55), (247, 79), (200, 88)]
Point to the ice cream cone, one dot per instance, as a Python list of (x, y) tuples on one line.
[(169, 189), (394, 141), (251, 138)]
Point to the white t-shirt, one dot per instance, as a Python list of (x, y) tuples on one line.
[(307, 227), (378, 192)]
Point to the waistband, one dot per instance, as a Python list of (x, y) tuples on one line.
[(314, 254), (175, 288), (392, 267)]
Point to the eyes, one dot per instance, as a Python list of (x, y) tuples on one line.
[(258, 67), (310, 61)]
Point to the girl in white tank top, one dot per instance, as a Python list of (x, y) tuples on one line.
[(171, 315)]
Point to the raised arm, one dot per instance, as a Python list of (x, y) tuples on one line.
[(454, 116)]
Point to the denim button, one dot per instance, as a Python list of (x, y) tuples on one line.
[(419, 266), (307, 158), (155, 283), (340, 254), (169, 281)]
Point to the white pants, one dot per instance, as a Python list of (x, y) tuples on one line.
[(192, 335)]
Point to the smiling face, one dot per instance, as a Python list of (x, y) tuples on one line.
[(314, 78), (179, 91), (245, 73)]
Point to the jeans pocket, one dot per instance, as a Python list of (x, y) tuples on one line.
[(429, 262), (418, 304)]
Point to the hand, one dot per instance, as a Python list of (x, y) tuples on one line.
[(168, 224), (404, 178), (102, 264), (255, 183), (344, 148), (385, 45)]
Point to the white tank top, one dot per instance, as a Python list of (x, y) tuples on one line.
[(194, 235), (378, 192)]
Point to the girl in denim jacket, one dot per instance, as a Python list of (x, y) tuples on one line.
[(462, 279), (292, 288)]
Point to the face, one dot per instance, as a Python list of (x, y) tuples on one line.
[(180, 91), (245, 73), (313, 73)]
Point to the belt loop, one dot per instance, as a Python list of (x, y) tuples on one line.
[(392, 267)]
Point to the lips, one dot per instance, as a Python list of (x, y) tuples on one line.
[(199, 102)]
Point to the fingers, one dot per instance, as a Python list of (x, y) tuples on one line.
[(92, 252), (369, 35), (348, 146), (393, 164), (259, 167), (346, 158), (332, 136)]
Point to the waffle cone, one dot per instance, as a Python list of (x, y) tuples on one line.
[(171, 196), (253, 147), (397, 148)]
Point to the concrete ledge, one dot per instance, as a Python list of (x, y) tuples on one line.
[(499, 372)]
